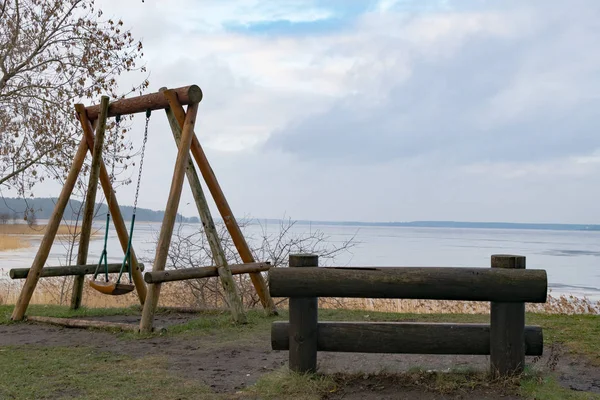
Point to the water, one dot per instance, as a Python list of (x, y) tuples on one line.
[(571, 258)]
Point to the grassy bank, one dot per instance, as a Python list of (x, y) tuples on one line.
[(579, 333), (62, 371)]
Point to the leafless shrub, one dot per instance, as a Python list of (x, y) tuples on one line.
[(190, 250)]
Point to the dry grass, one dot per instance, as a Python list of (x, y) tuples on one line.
[(12, 243), (24, 229), (57, 291), (568, 305)]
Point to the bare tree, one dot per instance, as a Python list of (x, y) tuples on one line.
[(4, 217), (52, 54)]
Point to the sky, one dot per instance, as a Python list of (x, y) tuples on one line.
[(389, 110)]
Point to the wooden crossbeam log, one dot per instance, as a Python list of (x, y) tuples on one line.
[(153, 101), (202, 272)]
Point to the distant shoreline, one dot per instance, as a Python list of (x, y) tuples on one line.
[(13, 209), (450, 224), (421, 224)]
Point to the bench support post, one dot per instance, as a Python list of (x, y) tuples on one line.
[(507, 327), (303, 323)]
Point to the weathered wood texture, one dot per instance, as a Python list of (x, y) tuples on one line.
[(218, 254), (83, 323), (202, 272), (51, 229), (405, 338), (303, 332), (166, 230), (476, 284), (67, 270), (185, 310), (115, 211), (153, 101), (507, 320), (90, 202), (226, 213)]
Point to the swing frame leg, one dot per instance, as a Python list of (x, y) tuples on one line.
[(225, 276), (225, 210), (90, 202), (166, 229), (53, 223)]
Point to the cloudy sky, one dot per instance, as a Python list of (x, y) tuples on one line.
[(381, 110)]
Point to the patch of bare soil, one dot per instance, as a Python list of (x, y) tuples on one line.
[(230, 366), (419, 387), (575, 373)]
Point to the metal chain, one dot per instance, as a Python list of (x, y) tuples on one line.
[(114, 160), (137, 189)]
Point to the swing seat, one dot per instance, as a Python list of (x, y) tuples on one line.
[(111, 288)]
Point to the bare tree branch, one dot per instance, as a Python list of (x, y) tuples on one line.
[(53, 54)]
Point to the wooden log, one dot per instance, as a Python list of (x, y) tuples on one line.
[(185, 310), (507, 320), (405, 338), (83, 323), (153, 101), (303, 331), (90, 203), (115, 211), (435, 283), (226, 213), (166, 230), (66, 270), (51, 229), (233, 298), (202, 272)]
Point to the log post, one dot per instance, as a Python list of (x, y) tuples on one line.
[(152, 101), (225, 275), (113, 206), (433, 283), (303, 328), (90, 204), (66, 270), (223, 206), (51, 229), (166, 230), (405, 338), (507, 327), (202, 272)]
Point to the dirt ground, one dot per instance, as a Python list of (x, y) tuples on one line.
[(228, 367)]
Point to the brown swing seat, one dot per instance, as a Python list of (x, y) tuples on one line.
[(112, 288)]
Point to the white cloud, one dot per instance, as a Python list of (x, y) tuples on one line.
[(396, 116)]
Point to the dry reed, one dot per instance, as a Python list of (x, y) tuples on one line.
[(24, 229), (12, 243), (181, 294)]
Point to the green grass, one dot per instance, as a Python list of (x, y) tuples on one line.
[(52, 372), (546, 388), (65, 312), (220, 322), (578, 333), (36, 372), (283, 384)]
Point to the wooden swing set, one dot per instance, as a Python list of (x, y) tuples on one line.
[(94, 118)]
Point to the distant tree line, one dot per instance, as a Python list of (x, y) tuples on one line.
[(30, 210)]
